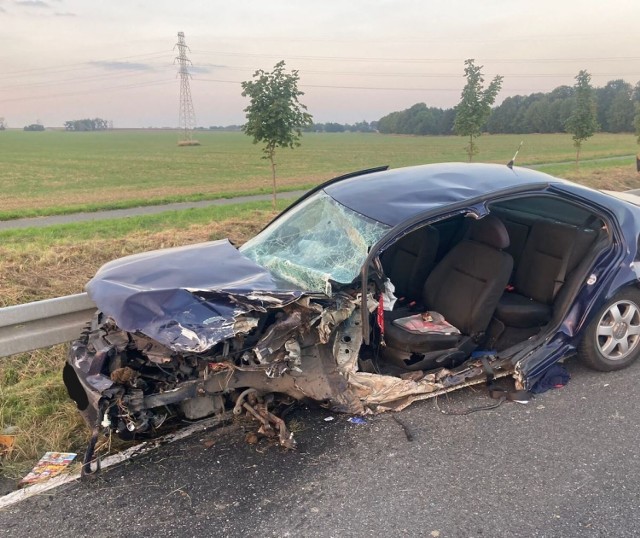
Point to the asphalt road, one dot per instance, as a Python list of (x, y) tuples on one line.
[(566, 464)]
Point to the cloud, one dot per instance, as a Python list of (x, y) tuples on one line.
[(200, 70), (65, 14), (122, 66), (33, 3)]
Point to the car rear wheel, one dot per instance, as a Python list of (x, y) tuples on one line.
[(612, 339)]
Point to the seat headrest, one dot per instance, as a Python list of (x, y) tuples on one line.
[(491, 231)]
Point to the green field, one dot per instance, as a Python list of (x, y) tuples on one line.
[(53, 172)]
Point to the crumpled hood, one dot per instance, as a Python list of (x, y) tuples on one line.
[(187, 298)]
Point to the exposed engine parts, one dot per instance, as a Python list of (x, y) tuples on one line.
[(142, 382), (257, 406)]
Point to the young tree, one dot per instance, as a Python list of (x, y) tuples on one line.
[(582, 123), (275, 116), (475, 105), (636, 124), (635, 96)]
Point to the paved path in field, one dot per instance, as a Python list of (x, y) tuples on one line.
[(599, 160), (41, 222)]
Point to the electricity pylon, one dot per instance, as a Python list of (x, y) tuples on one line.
[(186, 114)]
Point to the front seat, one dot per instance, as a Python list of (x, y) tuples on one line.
[(465, 288)]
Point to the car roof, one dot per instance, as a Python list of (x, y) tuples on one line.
[(394, 196), (632, 196)]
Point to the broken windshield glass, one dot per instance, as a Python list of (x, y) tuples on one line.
[(317, 241)]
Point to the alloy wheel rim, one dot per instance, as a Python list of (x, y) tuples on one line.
[(618, 332)]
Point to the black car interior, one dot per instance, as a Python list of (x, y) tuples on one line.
[(465, 287), (500, 279)]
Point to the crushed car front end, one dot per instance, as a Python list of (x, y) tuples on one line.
[(185, 331)]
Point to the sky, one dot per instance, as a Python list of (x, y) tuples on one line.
[(357, 59)]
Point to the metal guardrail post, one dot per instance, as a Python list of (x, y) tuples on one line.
[(41, 324)]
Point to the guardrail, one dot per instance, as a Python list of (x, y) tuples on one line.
[(41, 324)]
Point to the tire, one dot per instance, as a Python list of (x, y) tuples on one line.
[(612, 339)]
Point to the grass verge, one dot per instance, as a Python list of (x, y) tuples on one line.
[(41, 263)]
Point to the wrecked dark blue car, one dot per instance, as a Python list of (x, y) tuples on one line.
[(370, 292)]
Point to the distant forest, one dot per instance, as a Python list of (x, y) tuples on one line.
[(534, 113), (331, 127)]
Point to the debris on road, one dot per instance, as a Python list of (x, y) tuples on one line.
[(6, 445), (555, 377), (404, 427), (50, 465)]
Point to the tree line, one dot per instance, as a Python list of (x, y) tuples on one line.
[(534, 113), (333, 127), (88, 124), (329, 127)]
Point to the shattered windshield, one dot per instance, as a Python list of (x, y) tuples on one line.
[(318, 240)]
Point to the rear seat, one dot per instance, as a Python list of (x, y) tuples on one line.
[(552, 250), (408, 262)]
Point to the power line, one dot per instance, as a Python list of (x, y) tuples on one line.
[(396, 75), (84, 92), (78, 65), (303, 71), (237, 82), (458, 39), (418, 60), (89, 78), (94, 64), (373, 88)]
